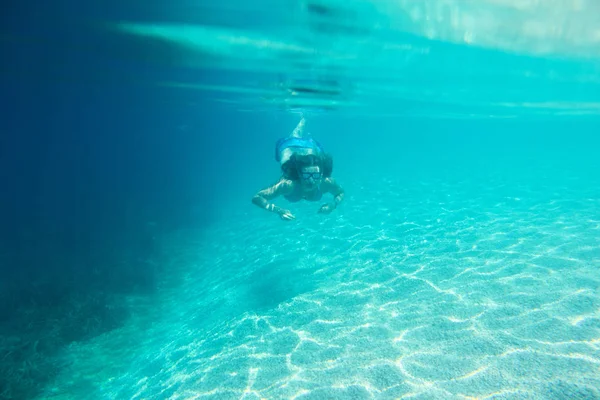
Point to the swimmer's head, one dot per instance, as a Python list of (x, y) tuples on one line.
[(310, 176), (310, 172)]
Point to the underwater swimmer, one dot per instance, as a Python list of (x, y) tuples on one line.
[(306, 175)]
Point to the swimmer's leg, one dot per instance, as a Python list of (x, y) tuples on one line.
[(299, 131)]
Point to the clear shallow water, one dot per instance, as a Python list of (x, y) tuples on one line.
[(464, 262), (435, 290)]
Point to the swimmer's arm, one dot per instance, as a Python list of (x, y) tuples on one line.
[(262, 198), (336, 190)]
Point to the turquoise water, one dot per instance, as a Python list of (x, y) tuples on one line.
[(464, 260), (438, 280), (431, 292)]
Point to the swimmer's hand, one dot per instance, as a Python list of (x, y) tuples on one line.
[(326, 209), (286, 215)]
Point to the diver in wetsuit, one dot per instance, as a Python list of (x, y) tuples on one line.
[(306, 175)]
